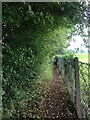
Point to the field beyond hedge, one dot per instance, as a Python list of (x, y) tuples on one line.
[(83, 57)]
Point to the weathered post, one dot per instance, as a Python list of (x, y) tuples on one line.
[(77, 89)]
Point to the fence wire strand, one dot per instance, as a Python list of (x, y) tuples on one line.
[(85, 86), (84, 77)]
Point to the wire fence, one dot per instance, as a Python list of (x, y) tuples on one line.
[(76, 76), (85, 87)]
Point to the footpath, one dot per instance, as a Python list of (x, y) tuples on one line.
[(57, 102)]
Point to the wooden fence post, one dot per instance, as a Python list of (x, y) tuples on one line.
[(77, 89)]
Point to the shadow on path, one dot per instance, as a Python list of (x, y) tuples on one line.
[(57, 101)]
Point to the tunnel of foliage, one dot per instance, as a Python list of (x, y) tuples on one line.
[(32, 34)]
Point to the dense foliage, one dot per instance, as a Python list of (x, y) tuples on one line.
[(32, 34)]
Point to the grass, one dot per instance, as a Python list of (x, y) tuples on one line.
[(47, 73), (83, 57)]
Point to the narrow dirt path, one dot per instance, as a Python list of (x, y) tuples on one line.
[(57, 101)]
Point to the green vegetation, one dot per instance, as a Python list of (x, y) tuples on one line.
[(84, 86), (84, 80), (32, 34)]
